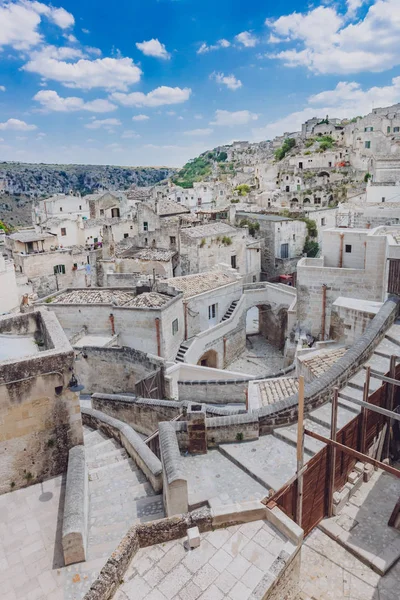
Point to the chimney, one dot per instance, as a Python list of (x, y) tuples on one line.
[(196, 428), (108, 243)]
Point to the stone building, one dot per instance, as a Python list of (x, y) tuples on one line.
[(354, 264), (40, 416), (283, 241), (204, 246), (60, 206), (151, 322)]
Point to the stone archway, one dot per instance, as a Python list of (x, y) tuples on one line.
[(273, 325), (209, 359)]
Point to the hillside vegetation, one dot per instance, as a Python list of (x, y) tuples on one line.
[(202, 167)]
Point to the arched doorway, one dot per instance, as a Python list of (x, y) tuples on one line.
[(294, 203), (209, 359)]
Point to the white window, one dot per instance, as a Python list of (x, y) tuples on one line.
[(175, 326), (212, 311), (60, 208), (59, 269), (198, 201), (323, 221), (178, 199), (383, 198), (145, 226), (80, 207), (63, 231)]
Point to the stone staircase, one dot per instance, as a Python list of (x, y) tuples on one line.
[(119, 494), (271, 459), (183, 348), (230, 311)]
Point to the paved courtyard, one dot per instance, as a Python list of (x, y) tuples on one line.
[(259, 358), (237, 563)]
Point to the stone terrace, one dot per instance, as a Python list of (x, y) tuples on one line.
[(236, 563)]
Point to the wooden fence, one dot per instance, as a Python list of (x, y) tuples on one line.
[(316, 476), (152, 386)]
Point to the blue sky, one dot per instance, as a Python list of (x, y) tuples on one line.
[(156, 82)]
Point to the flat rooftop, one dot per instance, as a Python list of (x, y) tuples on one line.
[(209, 229), (149, 254), (30, 236), (114, 297), (17, 346), (191, 285)]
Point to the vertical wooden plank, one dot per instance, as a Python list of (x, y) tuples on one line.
[(364, 411), (332, 452), (300, 452), (390, 390)]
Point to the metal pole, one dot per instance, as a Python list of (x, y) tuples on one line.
[(332, 451), (300, 452)]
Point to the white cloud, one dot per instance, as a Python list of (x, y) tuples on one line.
[(16, 125), (199, 132), (61, 17), (106, 123), (130, 134), (204, 48), (140, 118), (170, 113), (247, 39), (85, 30), (332, 43), (199, 117), (71, 38), (347, 100), (50, 100), (2, 88), (227, 118), (107, 73), (229, 80), (159, 97), (153, 47)]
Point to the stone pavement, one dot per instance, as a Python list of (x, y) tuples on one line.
[(236, 563), (259, 358), (330, 572), (214, 478), (361, 526), (31, 561)]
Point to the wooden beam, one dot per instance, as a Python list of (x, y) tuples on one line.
[(377, 409), (332, 451), (377, 375), (390, 392), (300, 452), (364, 414), (354, 453)]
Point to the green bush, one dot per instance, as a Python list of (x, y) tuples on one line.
[(243, 189), (311, 248), (309, 142), (287, 145), (226, 240), (367, 176)]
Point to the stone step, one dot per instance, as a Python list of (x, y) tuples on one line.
[(96, 450), (107, 458), (323, 414), (311, 446), (126, 464), (387, 348), (345, 396), (358, 380), (269, 460), (93, 437), (378, 363)]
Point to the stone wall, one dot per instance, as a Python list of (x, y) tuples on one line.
[(40, 417), (113, 370), (143, 414), (213, 392)]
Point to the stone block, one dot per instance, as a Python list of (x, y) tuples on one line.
[(285, 525), (368, 472), (193, 537), (352, 477), (241, 512), (359, 466)]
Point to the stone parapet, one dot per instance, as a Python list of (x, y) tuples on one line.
[(175, 489), (76, 508)]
